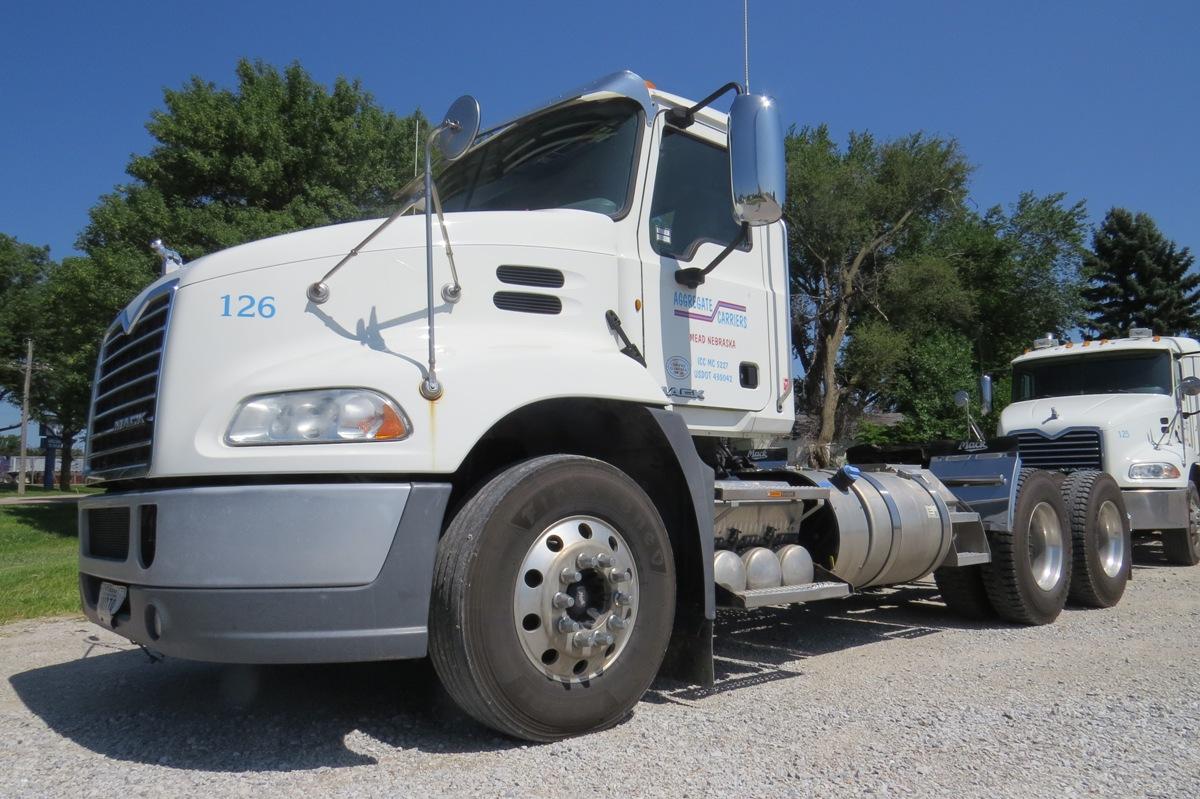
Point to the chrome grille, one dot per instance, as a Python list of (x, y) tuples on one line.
[(124, 399), (1074, 449)]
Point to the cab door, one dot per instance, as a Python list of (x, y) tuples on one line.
[(1189, 366), (707, 346)]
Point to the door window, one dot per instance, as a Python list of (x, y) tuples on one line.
[(691, 203)]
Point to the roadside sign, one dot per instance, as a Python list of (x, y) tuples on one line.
[(51, 442)]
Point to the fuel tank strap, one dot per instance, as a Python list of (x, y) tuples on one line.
[(897, 528)]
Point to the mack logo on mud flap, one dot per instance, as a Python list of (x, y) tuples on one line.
[(132, 420), (684, 393)]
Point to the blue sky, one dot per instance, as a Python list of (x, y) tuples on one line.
[(1098, 99)]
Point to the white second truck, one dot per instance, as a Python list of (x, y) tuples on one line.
[(498, 431), (1118, 416)]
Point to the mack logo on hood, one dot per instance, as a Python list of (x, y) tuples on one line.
[(132, 420)]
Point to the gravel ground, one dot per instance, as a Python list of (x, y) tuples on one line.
[(880, 695)]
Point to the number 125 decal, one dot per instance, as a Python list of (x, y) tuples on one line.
[(248, 306)]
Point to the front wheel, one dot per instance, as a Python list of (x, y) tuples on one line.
[(553, 599), (1182, 547)]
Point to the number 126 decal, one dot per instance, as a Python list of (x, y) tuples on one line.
[(247, 306)]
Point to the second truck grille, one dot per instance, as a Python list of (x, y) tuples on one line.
[(126, 393), (1075, 449)]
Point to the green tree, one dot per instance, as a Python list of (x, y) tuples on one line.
[(1139, 278), (851, 215), (959, 303), (279, 153), (23, 268)]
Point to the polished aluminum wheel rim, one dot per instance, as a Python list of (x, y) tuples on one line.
[(1110, 538), (1046, 553), (575, 600)]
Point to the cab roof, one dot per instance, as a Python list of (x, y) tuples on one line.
[(1176, 344)]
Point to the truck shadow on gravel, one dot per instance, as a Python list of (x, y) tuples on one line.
[(181, 714)]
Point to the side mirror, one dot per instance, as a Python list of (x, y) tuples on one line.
[(1190, 387), (961, 398), (985, 392), (459, 128), (757, 172)]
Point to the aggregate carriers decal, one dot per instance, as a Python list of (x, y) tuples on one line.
[(705, 309)]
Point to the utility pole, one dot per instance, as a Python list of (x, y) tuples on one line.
[(25, 416)]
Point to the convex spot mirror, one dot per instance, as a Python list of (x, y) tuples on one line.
[(757, 170), (961, 398), (459, 128), (1190, 386)]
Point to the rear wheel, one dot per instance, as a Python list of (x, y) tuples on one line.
[(1030, 573), (1182, 547), (963, 591), (1101, 547), (553, 599)]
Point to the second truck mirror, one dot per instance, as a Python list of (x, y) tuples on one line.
[(756, 160), (985, 393)]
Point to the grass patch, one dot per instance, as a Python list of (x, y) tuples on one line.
[(32, 491), (39, 551)]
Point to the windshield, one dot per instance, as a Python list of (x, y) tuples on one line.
[(1147, 372), (580, 156)]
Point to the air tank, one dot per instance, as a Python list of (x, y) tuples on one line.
[(729, 571), (762, 568), (891, 525), (796, 564)]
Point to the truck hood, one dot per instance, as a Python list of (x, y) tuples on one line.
[(554, 228), (1055, 414)]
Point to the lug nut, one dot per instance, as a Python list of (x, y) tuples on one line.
[(616, 622), (561, 601), (591, 639), (570, 575), (567, 625), (622, 600), (586, 560), (618, 575), (603, 561)]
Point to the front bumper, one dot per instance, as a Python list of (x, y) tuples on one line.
[(1156, 508), (268, 574)]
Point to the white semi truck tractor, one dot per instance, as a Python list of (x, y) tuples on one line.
[(1118, 418), (498, 429)]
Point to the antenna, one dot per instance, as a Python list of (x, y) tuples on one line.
[(746, 40)]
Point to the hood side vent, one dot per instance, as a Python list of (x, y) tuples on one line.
[(523, 302), (539, 276)]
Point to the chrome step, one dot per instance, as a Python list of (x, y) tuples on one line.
[(788, 594)]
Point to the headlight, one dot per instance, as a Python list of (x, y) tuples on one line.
[(317, 417), (1153, 471)]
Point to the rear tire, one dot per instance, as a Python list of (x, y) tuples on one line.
[(1102, 552), (1182, 547), (963, 591), (1030, 573), (502, 636)]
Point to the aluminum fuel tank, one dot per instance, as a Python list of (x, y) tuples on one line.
[(891, 526)]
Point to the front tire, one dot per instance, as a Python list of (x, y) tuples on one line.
[(1030, 573), (553, 599), (1102, 550), (1182, 547)]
